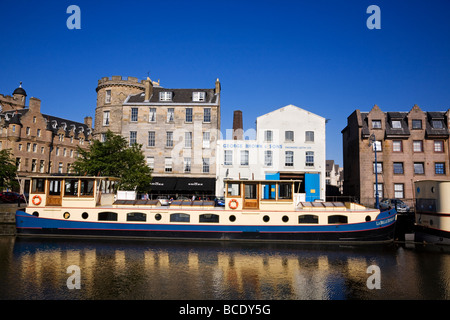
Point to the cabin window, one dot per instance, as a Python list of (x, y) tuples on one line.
[(285, 191), (71, 187), (54, 187), (251, 191), (87, 188), (107, 216), (308, 218), (268, 191), (213, 218), (136, 216), (234, 189), (180, 217), (337, 219), (38, 186)]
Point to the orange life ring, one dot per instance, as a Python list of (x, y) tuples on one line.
[(38, 201), (233, 204)]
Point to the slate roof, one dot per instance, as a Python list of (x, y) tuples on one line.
[(179, 96)]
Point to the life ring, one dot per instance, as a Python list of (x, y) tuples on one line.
[(36, 200), (233, 204)]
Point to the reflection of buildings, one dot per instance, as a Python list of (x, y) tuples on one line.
[(289, 144)]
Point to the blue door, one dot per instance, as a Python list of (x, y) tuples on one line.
[(312, 186)]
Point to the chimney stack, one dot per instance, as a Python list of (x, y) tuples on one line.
[(88, 122), (35, 105), (238, 128), (148, 89)]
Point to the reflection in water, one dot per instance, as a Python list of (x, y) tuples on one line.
[(37, 269)]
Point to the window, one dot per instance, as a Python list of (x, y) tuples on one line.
[(289, 158), (268, 136), (337, 219), (151, 138), (396, 124), (60, 167), (188, 139), (268, 158), (57, 151), (377, 145), (419, 168), (151, 162), (309, 136), (234, 189), (205, 167), (188, 115), (418, 146), (136, 216), (308, 218), (285, 191), (152, 115), (289, 136), (29, 148), (228, 157), (33, 165), (398, 167), (268, 191), (28, 131), (438, 146), (439, 168), (165, 96), (398, 190), (207, 115), (34, 147), (170, 114), (376, 124), (206, 139), (107, 216), (309, 159), (437, 124), (244, 157), (87, 187), (38, 132), (134, 114), (105, 118), (198, 96), (169, 139), (397, 146), (212, 218), (168, 165), (379, 167), (187, 165), (133, 137), (41, 166), (180, 217), (108, 96), (38, 186), (71, 187), (417, 124)]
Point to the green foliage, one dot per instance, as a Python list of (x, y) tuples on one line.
[(8, 170), (114, 158)]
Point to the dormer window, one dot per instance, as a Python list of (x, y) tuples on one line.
[(396, 124), (165, 96), (417, 124), (376, 124), (437, 124), (198, 96)]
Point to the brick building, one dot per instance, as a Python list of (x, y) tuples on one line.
[(410, 146), (40, 143), (177, 128)]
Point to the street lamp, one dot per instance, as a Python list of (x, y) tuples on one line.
[(377, 199)]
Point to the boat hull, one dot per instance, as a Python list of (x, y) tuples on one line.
[(376, 231), (430, 235)]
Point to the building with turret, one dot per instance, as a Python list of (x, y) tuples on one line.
[(177, 128), (40, 143)]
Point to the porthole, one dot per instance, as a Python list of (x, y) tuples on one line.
[(66, 215), (285, 218), (158, 217), (368, 218), (232, 218), (36, 214), (266, 218), (84, 215)]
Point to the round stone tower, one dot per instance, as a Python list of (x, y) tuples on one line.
[(111, 93)]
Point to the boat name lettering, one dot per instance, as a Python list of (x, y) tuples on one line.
[(389, 220)]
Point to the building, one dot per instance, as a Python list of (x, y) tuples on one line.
[(410, 146), (40, 143), (177, 128), (289, 144), (333, 179)]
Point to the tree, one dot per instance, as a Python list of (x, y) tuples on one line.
[(8, 170), (115, 158)]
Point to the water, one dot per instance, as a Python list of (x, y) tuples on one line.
[(126, 270)]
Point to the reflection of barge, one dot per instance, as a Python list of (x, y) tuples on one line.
[(432, 217), (254, 210)]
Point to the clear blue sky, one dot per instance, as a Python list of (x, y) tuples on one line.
[(317, 54)]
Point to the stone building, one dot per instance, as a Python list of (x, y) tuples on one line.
[(40, 143), (410, 146), (177, 128), (289, 145)]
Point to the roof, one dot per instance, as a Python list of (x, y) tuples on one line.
[(179, 96)]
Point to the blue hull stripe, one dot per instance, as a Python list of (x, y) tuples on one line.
[(28, 221)]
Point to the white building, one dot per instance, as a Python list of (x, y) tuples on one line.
[(289, 144)]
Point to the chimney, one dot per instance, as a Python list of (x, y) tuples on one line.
[(217, 90), (88, 122), (238, 128), (148, 89), (35, 105)]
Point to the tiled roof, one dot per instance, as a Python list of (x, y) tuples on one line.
[(179, 96)]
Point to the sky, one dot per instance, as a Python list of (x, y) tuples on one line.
[(317, 55)]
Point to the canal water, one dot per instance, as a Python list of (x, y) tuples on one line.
[(56, 269)]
